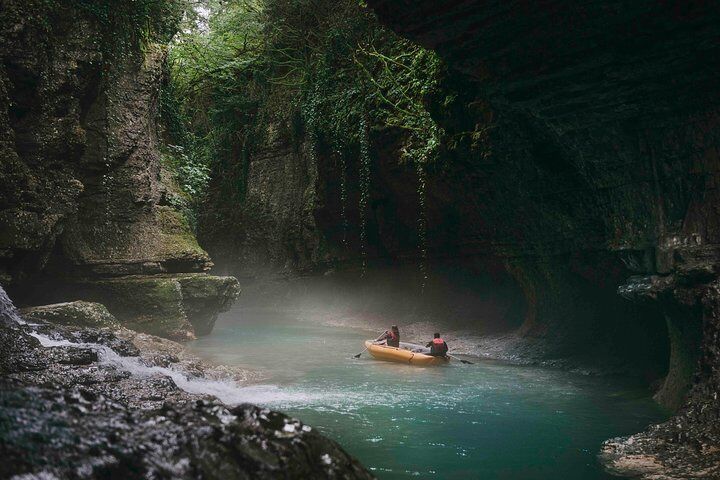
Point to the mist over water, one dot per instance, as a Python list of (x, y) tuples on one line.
[(491, 420)]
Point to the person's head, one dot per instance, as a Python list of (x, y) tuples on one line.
[(437, 335), (394, 328)]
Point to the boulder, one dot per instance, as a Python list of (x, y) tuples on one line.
[(205, 296), (177, 307), (79, 313)]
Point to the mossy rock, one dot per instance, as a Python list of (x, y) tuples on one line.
[(205, 297), (171, 306), (78, 313), (152, 304)]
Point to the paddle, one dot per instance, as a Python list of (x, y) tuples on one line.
[(358, 355), (463, 361)]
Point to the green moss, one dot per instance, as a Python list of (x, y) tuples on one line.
[(82, 314), (176, 234), (170, 306), (147, 304)]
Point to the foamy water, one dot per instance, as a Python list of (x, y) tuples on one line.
[(227, 391)]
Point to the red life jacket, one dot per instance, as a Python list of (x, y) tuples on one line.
[(394, 340), (438, 346)]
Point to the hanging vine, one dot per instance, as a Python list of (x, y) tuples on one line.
[(339, 153), (364, 188), (343, 199), (327, 77)]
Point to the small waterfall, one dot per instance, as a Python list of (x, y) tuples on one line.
[(364, 188), (422, 224), (106, 191), (343, 198), (227, 391), (8, 312)]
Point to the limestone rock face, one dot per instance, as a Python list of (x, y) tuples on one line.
[(85, 196), (83, 182), (43, 86), (204, 297), (79, 313), (123, 225), (276, 229)]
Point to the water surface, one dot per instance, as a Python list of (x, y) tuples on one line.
[(490, 420)]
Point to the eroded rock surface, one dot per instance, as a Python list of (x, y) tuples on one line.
[(178, 306), (276, 229)]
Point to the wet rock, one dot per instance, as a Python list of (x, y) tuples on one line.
[(17, 351), (73, 356), (161, 352), (86, 436), (79, 313), (204, 297)]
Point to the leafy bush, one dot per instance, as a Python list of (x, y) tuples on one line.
[(316, 68), (323, 73)]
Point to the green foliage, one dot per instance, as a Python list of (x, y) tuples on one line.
[(132, 20), (310, 70), (124, 24), (192, 177), (211, 103)]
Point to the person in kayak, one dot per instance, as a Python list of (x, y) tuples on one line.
[(391, 337), (438, 347)]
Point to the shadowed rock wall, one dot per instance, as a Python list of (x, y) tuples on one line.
[(604, 121), (273, 228), (85, 194)]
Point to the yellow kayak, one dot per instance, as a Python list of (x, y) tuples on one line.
[(402, 355)]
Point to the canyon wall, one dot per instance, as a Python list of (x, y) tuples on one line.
[(590, 176), (85, 208), (86, 212), (273, 230), (604, 139)]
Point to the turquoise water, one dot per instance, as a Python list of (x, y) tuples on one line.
[(490, 420)]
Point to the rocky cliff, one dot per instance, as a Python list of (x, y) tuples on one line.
[(85, 206), (274, 229)]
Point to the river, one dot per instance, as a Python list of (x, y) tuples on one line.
[(490, 420)]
